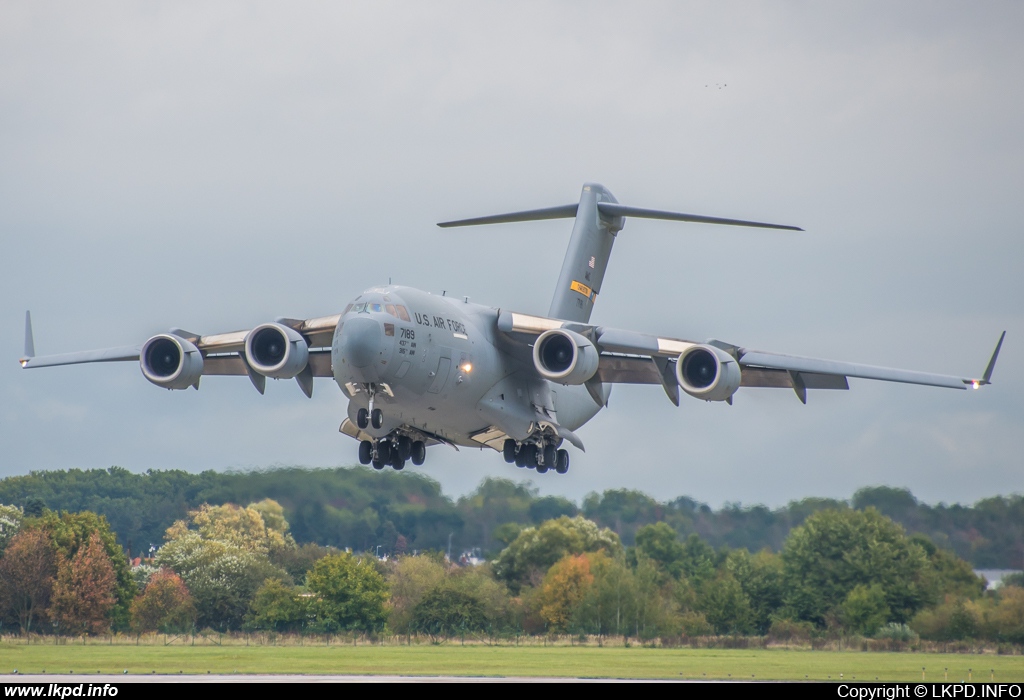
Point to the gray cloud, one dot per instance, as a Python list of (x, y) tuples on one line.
[(215, 166)]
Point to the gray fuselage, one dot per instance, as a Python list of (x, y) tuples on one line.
[(439, 365)]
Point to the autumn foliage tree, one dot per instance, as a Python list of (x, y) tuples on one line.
[(27, 571), (565, 587), (84, 592), (165, 605)]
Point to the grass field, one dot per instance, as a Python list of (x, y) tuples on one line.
[(478, 660)]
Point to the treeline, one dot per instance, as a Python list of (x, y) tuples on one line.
[(362, 509), (228, 567)]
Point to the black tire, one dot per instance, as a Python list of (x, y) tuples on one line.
[(531, 455), (404, 447), (362, 418), (377, 464), (419, 453), (562, 462), (520, 458), (365, 452), (550, 456), (384, 451), (397, 461), (508, 450), (376, 418)]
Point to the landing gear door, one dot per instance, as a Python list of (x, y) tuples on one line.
[(444, 367)]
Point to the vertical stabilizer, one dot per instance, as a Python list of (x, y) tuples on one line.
[(586, 259)]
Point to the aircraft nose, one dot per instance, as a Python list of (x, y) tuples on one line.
[(361, 341)]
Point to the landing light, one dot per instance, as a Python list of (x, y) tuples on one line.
[(23, 362), (467, 367), (976, 384)]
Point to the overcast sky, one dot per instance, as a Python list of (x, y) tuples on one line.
[(212, 166)]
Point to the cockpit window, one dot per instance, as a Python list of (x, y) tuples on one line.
[(374, 307), (359, 308), (402, 312), (390, 309)]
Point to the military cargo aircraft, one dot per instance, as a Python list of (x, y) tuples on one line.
[(421, 369)]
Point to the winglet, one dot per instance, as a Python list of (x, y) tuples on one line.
[(30, 343), (985, 379)]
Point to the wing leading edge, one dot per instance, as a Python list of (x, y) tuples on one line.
[(223, 353), (629, 357)]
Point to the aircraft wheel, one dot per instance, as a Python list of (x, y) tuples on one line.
[(508, 450), (384, 451), (550, 456), (397, 461), (520, 458), (419, 452), (542, 468), (378, 464), (362, 418), (377, 418), (562, 462), (404, 447), (531, 455), (365, 452)]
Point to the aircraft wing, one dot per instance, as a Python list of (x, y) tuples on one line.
[(222, 353), (629, 357)]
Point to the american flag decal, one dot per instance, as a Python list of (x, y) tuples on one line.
[(591, 263)]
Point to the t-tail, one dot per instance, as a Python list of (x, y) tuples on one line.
[(599, 218)]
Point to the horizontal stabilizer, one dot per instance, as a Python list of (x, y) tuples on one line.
[(613, 209), (567, 211)]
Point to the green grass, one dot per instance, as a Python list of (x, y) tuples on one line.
[(479, 660)]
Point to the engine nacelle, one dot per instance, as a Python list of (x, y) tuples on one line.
[(276, 351), (565, 357), (709, 373), (171, 362)]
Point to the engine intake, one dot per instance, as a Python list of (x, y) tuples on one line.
[(709, 373), (565, 357), (276, 351), (171, 362)]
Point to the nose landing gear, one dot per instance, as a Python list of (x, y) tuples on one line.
[(370, 416)]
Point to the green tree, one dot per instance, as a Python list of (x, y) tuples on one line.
[(165, 605), (835, 551), (10, 523), (661, 544), (698, 560), (725, 606), (350, 594), (536, 549), (222, 577), (761, 578), (84, 592), (865, 611), (448, 611), (409, 580), (279, 607)]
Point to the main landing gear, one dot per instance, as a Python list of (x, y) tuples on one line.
[(540, 458), (392, 451)]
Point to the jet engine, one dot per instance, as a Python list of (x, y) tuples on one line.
[(709, 373), (565, 357), (276, 351), (171, 362)]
